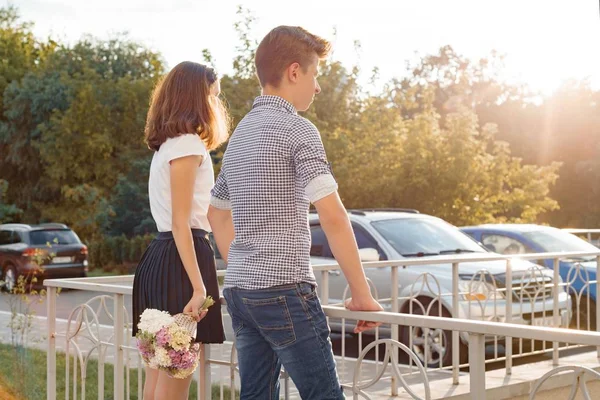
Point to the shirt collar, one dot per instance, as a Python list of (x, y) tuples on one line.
[(274, 102)]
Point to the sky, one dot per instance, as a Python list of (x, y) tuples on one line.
[(544, 42)]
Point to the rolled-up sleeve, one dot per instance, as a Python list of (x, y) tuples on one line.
[(220, 192), (313, 172)]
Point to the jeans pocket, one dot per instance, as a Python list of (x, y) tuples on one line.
[(308, 291), (315, 312), (236, 324), (273, 318)]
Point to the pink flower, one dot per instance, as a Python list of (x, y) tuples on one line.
[(162, 337), (188, 359), (146, 349), (175, 358), (182, 359)]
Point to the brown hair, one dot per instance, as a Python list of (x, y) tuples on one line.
[(284, 46), (182, 103)]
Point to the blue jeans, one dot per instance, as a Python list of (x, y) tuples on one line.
[(282, 325)]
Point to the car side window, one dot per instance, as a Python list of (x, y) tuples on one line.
[(365, 241), (16, 237), (503, 244), (471, 235), (5, 237), (213, 243), (319, 246)]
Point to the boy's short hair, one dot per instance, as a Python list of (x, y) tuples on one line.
[(284, 46)]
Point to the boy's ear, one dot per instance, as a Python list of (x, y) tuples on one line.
[(293, 72)]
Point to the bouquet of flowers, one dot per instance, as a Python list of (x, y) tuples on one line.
[(167, 342)]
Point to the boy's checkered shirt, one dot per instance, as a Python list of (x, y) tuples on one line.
[(274, 166)]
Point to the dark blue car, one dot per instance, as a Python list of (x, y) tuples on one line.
[(576, 273)]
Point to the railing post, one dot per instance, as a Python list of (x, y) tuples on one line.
[(509, 297), (555, 313), (324, 298), (455, 334), (119, 324), (395, 309), (286, 385), (597, 298), (204, 381), (477, 365), (51, 354)]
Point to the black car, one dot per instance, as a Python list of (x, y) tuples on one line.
[(43, 251)]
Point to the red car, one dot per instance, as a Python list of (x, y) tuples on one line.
[(44, 251)]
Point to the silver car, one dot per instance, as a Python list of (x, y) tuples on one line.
[(394, 235)]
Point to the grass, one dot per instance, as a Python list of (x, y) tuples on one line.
[(5, 394), (23, 376)]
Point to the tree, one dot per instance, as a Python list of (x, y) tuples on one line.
[(436, 140), (8, 212), (130, 204), (19, 49), (239, 89), (451, 168), (73, 121)]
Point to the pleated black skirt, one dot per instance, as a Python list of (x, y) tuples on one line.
[(162, 283)]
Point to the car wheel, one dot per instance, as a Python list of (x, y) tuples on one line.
[(437, 343), (10, 278)]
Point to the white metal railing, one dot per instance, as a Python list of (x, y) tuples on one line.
[(589, 234), (476, 333), (542, 302)]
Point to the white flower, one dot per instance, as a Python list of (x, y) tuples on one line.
[(153, 363), (153, 320), (162, 357)]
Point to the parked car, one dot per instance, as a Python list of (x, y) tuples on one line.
[(219, 262), (528, 238), (44, 251), (394, 235), (589, 235)]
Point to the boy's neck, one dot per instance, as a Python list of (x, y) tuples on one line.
[(281, 92)]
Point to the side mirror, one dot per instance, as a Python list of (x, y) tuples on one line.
[(368, 254)]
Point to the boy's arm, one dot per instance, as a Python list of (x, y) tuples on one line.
[(314, 174), (336, 225), (219, 215), (222, 226)]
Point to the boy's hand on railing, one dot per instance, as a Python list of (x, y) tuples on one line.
[(367, 303)]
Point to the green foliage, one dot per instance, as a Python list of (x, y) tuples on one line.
[(118, 253), (130, 208), (35, 376), (448, 138), (21, 297), (72, 124), (8, 212)]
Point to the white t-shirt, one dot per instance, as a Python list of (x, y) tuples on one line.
[(159, 184)]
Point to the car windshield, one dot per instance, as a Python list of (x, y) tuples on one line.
[(555, 240), (53, 237), (425, 236)]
